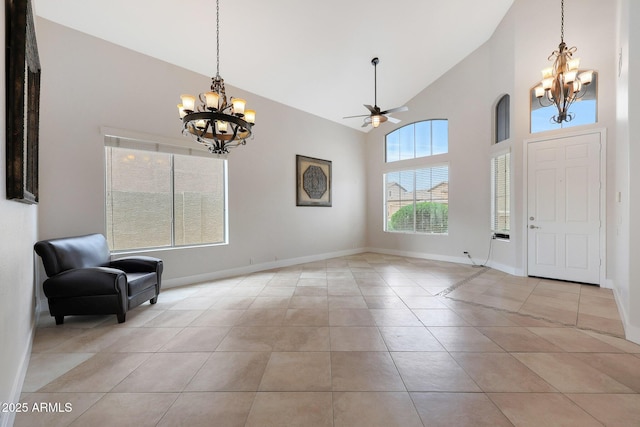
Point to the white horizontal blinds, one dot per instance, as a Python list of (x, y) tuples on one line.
[(501, 189), (138, 199), (432, 200), (156, 199), (417, 200), (198, 185)]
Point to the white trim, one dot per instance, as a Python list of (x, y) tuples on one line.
[(631, 332), (252, 268), (603, 194), (7, 418)]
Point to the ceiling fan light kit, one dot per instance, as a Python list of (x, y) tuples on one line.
[(377, 116)]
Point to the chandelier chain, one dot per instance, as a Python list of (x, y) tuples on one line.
[(218, 38), (562, 21)]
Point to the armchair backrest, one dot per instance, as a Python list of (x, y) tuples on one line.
[(67, 253)]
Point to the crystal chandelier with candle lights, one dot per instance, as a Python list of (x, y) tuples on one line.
[(562, 84), (215, 123)]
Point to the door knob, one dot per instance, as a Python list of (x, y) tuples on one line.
[(533, 226)]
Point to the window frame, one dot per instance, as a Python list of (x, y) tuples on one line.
[(172, 151), (504, 234)]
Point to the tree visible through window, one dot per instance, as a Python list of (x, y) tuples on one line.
[(156, 199), (418, 200)]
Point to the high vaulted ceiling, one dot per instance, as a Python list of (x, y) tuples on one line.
[(311, 55)]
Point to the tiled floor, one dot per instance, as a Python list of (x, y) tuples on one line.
[(366, 340)]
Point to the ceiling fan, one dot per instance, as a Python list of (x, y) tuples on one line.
[(376, 117)]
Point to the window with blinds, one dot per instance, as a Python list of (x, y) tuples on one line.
[(157, 199), (417, 200), (501, 195), (421, 139)]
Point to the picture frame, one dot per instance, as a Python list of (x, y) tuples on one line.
[(314, 182), (22, 102)]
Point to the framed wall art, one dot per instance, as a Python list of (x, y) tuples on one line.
[(22, 102), (313, 183)]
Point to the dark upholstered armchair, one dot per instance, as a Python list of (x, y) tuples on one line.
[(84, 280)]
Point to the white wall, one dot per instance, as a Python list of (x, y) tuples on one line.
[(18, 230), (89, 83), (626, 272), (510, 62)]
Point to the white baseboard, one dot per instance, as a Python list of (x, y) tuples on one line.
[(248, 269), (7, 418), (437, 257), (631, 332)]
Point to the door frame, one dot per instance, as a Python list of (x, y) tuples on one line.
[(603, 196)]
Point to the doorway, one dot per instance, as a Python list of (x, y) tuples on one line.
[(565, 207)]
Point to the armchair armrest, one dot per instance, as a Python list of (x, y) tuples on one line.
[(137, 264), (76, 282)]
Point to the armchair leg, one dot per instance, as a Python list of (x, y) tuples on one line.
[(153, 300), (121, 317), (59, 320)]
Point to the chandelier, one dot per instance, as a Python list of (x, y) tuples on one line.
[(563, 83), (215, 123)]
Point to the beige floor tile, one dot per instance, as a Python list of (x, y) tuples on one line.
[(302, 338), (356, 338), (127, 409), (380, 291), (306, 317), (297, 371), (415, 291), (91, 340), (217, 317), (48, 338), (45, 367), (440, 317), (194, 303), (341, 302), (542, 409), (311, 291), (430, 371), (610, 326), (143, 340), (394, 317), (619, 343), (374, 409), (225, 409), (569, 374), (501, 372), (610, 409), (163, 372), (233, 303), (519, 339), (201, 338), (262, 317), (481, 316), (77, 403), (459, 410), (624, 368), (556, 285), (596, 291), (344, 290), (101, 373), (262, 303), (277, 291), (574, 340), (243, 338), (351, 317), (174, 319), (385, 301), (230, 371), (314, 302), (409, 338), (277, 409), (463, 338), (414, 302), (364, 371)]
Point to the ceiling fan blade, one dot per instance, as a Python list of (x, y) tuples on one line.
[(370, 108), (351, 117), (396, 110), (365, 124), (393, 119)]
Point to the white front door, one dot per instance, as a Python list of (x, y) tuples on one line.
[(564, 208)]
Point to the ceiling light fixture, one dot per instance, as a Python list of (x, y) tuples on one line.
[(216, 124), (563, 83)]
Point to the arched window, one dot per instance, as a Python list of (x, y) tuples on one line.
[(420, 139), (502, 119)]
